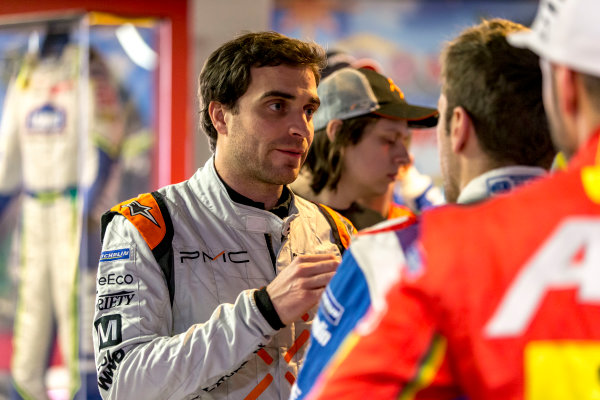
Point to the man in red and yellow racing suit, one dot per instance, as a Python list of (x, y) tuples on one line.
[(500, 300), (479, 161)]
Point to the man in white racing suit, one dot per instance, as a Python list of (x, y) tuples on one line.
[(205, 288)]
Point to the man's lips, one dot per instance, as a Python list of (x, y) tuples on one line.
[(292, 152)]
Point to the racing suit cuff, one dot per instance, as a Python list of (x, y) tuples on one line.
[(266, 308)]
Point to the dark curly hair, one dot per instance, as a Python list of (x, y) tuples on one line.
[(226, 74)]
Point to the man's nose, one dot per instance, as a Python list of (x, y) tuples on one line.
[(401, 155), (301, 126)]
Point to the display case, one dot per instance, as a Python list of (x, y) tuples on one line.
[(82, 127)]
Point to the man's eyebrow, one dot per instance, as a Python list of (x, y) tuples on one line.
[(277, 93)]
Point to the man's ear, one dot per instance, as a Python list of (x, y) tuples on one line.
[(217, 111), (567, 88), (333, 127), (461, 129)]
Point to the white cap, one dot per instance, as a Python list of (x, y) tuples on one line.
[(566, 32)]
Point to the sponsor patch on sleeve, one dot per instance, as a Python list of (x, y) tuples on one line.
[(113, 255), (332, 309), (114, 300), (108, 368), (320, 331), (108, 328)]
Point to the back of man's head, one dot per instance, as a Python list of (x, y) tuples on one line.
[(226, 74), (500, 87)]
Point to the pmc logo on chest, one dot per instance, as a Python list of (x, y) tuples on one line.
[(236, 257)]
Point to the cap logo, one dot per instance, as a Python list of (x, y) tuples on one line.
[(394, 88)]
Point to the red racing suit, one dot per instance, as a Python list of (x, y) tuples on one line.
[(495, 301)]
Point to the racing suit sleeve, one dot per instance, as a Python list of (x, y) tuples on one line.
[(395, 350), (136, 354), (341, 306), (359, 283), (397, 354)]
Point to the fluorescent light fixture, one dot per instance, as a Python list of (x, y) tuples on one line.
[(135, 47)]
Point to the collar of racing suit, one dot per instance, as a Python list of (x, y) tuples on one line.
[(281, 209), (211, 191), (497, 181)]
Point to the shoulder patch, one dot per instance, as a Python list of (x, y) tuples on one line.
[(145, 213), (149, 214)]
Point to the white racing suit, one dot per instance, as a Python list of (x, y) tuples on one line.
[(41, 154), (212, 341)]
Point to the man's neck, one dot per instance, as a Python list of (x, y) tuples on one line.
[(587, 119), (471, 168), (380, 203), (259, 192), (587, 127)]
